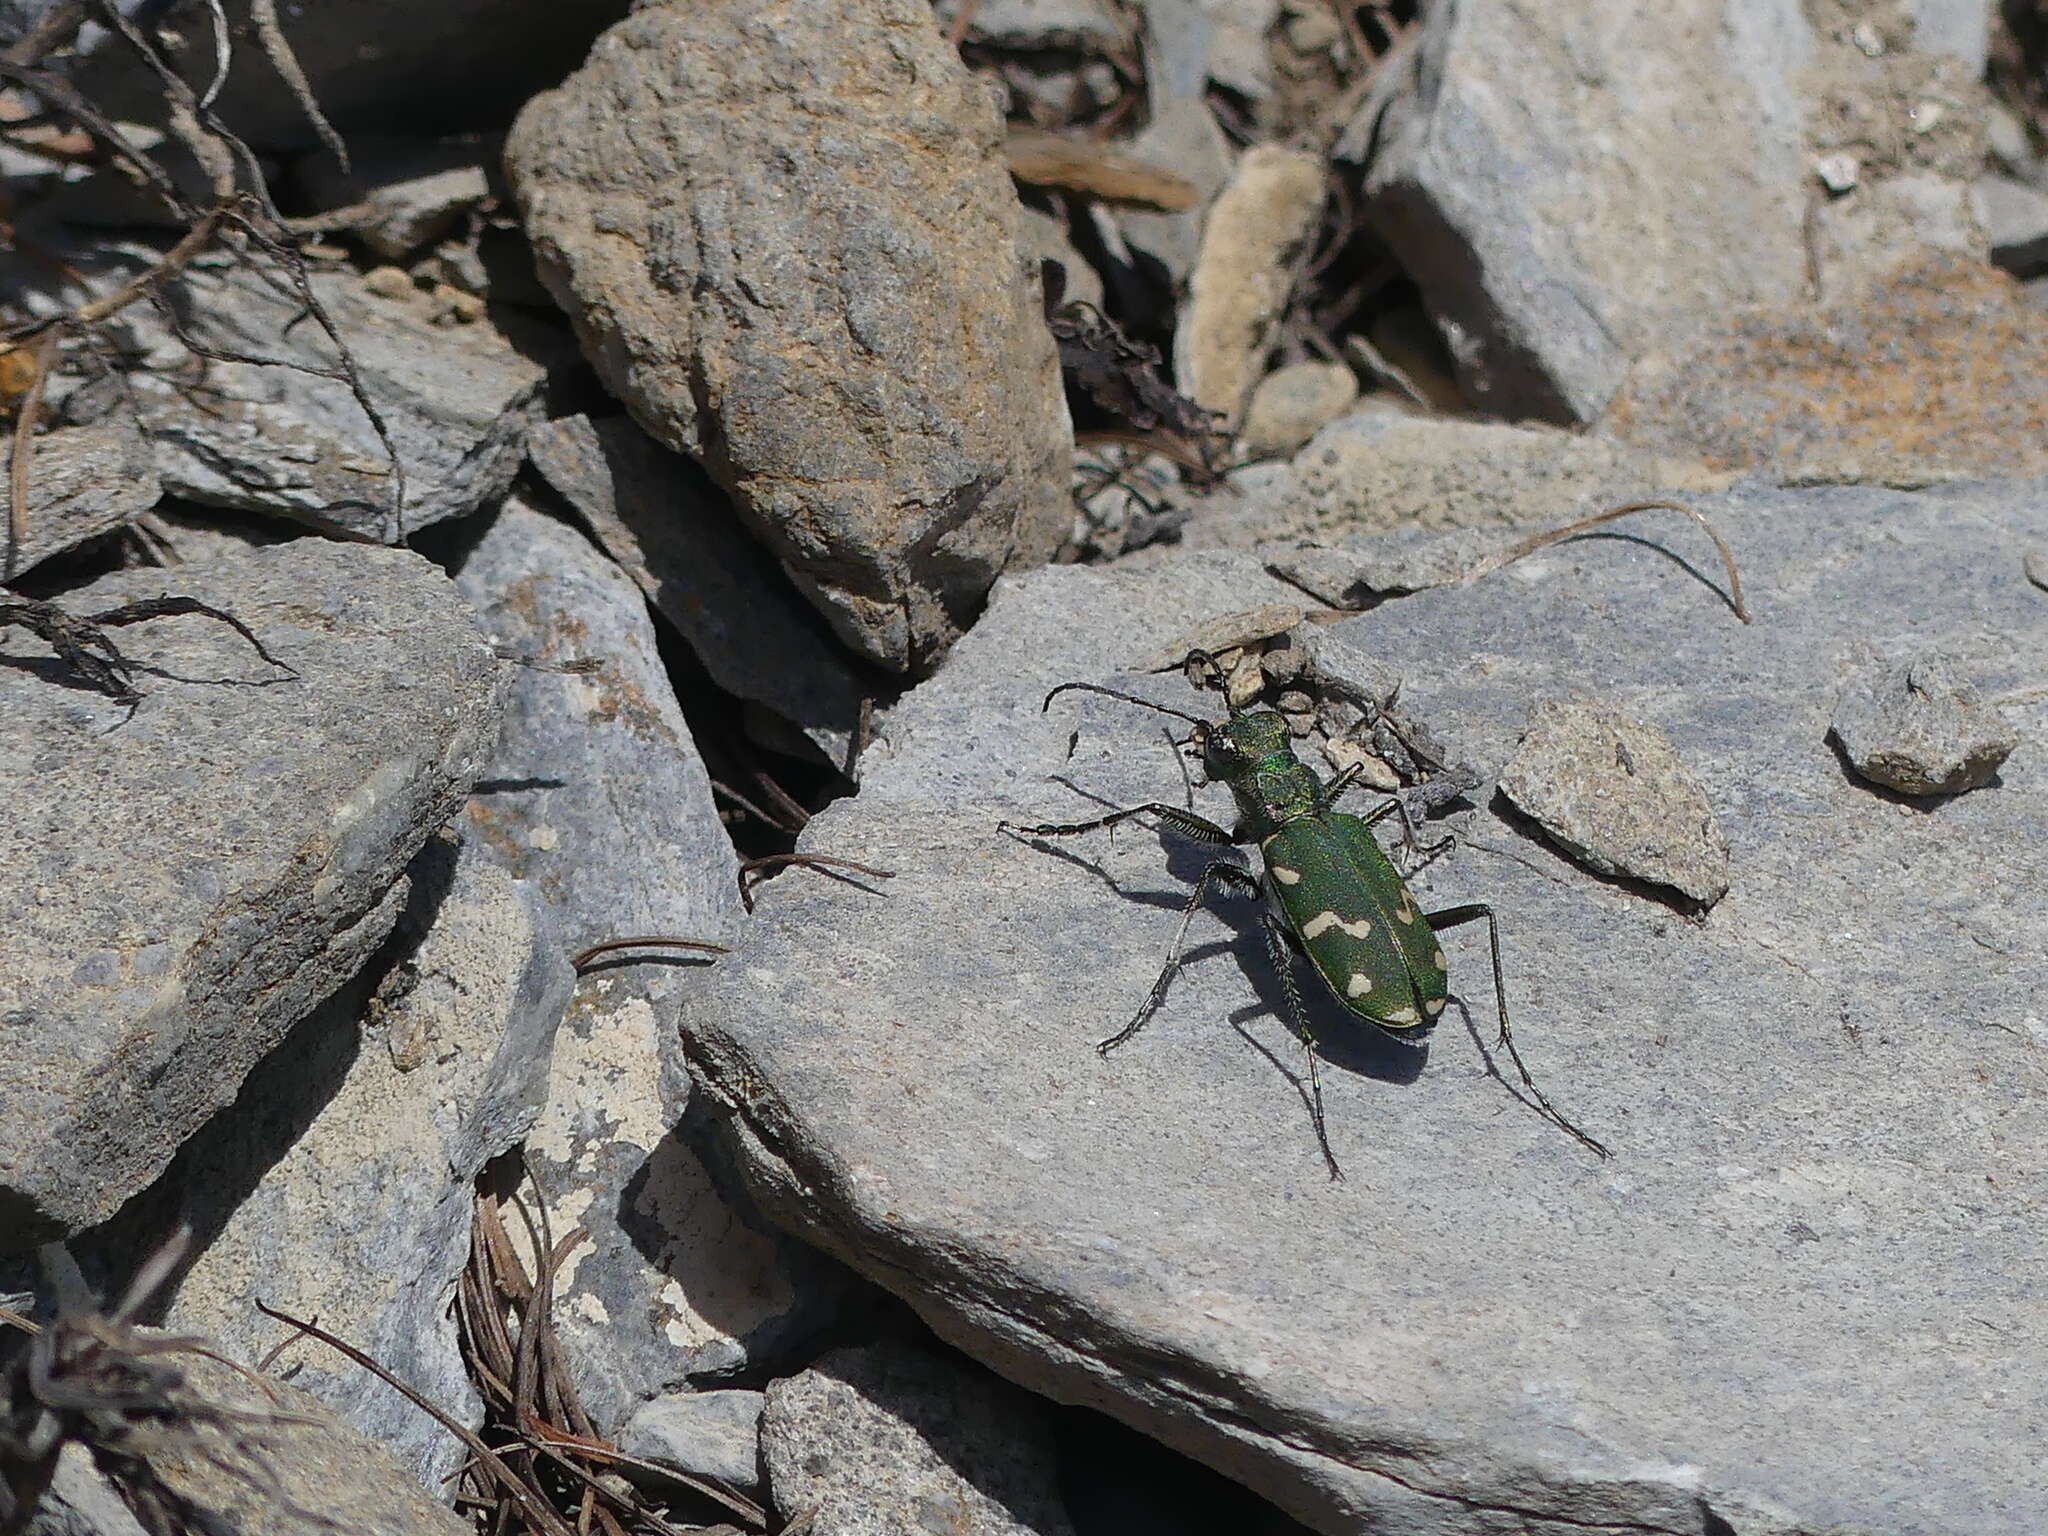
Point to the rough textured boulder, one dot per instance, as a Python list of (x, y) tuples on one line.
[(840, 324)]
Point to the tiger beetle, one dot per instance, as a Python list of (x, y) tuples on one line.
[(1330, 888)]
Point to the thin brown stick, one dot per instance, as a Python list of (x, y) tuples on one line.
[(544, 1518), (44, 359), (1529, 546), (279, 51), (583, 959)]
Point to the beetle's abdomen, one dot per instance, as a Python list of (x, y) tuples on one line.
[(1361, 928)]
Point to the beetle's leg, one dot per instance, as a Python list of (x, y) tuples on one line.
[(1186, 823), (1328, 795), (1283, 965), (1221, 872), (1452, 917), (1395, 805)]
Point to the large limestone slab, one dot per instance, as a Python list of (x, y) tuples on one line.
[(789, 242), (186, 885), (597, 799), (1933, 373), (1567, 182), (1804, 1294)]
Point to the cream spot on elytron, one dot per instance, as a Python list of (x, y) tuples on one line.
[(1286, 876), (1404, 1015), (1359, 986), (1432, 1006), (1323, 922), (1436, 958)]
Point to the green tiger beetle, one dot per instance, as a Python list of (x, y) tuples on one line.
[(1331, 891)]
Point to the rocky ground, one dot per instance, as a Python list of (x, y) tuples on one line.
[(488, 480)]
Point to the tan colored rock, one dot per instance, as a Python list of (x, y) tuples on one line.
[(1934, 374), (1256, 228), (1292, 404), (789, 242)]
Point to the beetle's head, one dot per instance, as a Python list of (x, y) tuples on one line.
[(1242, 743)]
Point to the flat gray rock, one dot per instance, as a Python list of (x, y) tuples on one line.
[(676, 534), (83, 481), (1823, 1099), (1916, 727), (189, 883), (789, 243), (341, 1185), (597, 799), (893, 1437), (1548, 258), (1615, 793), (457, 400), (706, 1434)]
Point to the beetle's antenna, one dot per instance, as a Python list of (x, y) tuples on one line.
[(1128, 698)]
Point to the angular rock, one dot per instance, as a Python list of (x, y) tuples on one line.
[(190, 883), (1918, 728), (2015, 220), (1184, 138), (1377, 470), (1291, 405), (1614, 793), (1022, 25), (1255, 230), (706, 1434), (1153, 1235), (1960, 29), (893, 1437), (1549, 259), (408, 192), (676, 534), (341, 1183), (1189, 43), (682, 1283), (457, 401), (1937, 374), (595, 791), (597, 797), (81, 1502), (82, 482), (838, 322)]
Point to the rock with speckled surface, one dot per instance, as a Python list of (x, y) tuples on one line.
[(1614, 792), (1916, 727), (893, 1438)]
